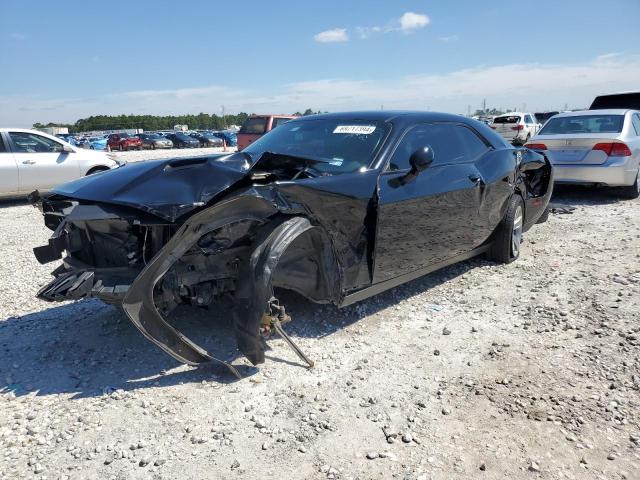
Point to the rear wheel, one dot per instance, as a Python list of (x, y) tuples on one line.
[(632, 191), (508, 237)]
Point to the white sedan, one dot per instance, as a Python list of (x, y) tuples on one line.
[(32, 160)]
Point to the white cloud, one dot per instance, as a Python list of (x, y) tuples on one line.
[(410, 21), (332, 36), (540, 86)]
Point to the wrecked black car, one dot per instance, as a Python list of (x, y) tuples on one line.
[(336, 207)]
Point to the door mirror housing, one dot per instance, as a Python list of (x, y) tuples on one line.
[(67, 149), (421, 159)]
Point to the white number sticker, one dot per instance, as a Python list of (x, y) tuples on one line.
[(355, 129)]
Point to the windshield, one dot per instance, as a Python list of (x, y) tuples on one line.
[(341, 145), (254, 125), (509, 119), (182, 136), (583, 124)]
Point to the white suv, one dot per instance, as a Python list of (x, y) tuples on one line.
[(516, 127), (32, 160)]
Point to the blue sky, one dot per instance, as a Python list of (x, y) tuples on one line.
[(66, 60)]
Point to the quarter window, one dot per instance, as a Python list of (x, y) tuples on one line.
[(636, 123), (474, 146), (528, 120), (31, 143), (450, 143)]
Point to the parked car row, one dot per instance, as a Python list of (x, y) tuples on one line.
[(153, 140)]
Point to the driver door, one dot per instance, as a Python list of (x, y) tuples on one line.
[(434, 217), (8, 170), (42, 163)]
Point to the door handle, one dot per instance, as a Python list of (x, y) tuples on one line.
[(477, 179), (28, 162)]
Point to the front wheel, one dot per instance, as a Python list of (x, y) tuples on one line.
[(632, 191), (508, 236)]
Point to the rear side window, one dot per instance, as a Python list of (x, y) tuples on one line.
[(255, 125), (583, 124), (508, 119), (528, 120), (2, 147), (279, 121)]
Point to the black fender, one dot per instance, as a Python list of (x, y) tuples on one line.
[(293, 254), (138, 303)]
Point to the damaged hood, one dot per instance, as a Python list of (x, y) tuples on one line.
[(165, 188)]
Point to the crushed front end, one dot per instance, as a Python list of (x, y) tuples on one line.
[(106, 247)]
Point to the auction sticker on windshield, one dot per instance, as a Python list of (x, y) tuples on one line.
[(355, 129)]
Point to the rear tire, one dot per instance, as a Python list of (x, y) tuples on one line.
[(508, 236), (632, 191)]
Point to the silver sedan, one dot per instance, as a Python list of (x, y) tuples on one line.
[(594, 147)]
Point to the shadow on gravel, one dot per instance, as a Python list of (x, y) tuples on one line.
[(585, 196), (13, 202), (88, 348)]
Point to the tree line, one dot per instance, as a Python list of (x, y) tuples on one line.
[(202, 121)]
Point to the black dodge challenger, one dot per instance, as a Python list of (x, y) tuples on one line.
[(336, 207)]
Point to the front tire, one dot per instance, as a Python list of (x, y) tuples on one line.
[(632, 191), (508, 236)]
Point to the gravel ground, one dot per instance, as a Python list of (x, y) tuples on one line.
[(528, 370), (141, 155)]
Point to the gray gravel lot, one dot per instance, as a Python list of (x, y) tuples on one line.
[(529, 370), (142, 155)]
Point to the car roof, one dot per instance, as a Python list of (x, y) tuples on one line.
[(610, 111), (392, 116)]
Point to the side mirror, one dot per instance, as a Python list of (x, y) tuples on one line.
[(421, 159), (67, 149)]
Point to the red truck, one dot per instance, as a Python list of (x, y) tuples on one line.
[(257, 125)]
